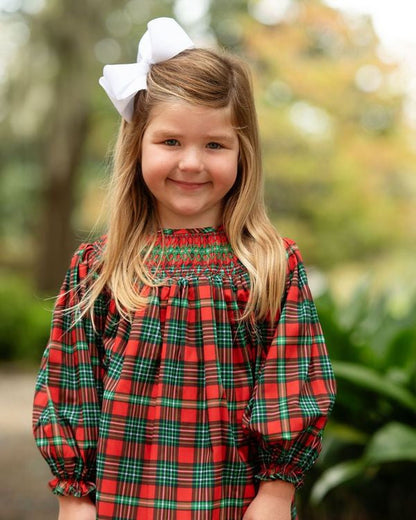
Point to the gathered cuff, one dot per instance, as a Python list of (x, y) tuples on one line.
[(288, 461), (282, 472), (277, 462), (73, 487)]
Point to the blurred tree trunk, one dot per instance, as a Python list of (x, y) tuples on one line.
[(62, 161), (71, 30)]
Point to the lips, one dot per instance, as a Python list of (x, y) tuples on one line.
[(188, 185)]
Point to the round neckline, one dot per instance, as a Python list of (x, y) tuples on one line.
[(208, 230)]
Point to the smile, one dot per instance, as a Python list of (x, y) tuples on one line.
[(188, 185)]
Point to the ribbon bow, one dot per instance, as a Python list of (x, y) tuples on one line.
[(163, 40)]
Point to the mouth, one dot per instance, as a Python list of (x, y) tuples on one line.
[(188, 185)]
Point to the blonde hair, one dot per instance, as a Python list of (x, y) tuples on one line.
[(198, 77)]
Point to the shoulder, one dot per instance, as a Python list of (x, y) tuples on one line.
[(293, 254), (89, 252), (296, 271), (87, 256)]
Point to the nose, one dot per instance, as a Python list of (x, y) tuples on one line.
[(191, 160)]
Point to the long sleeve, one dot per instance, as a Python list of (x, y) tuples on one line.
[(69, 386), (295, 387)]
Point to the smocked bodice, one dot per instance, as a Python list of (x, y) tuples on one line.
[(188, 254)]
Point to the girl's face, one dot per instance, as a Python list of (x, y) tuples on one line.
[(189, 162)]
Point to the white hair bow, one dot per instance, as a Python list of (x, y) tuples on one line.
[(163, 40)]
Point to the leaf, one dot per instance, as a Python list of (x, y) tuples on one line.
[(392, 443), (335, 476), (345, 433), (402, 350), (371, 380)]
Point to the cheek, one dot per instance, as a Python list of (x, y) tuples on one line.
[(233, 174), (232, 177), (144, 170), (155, 161), (147, 157), (231, 171), (151, 166), (149, 178)]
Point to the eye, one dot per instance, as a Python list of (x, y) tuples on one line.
[(214, 146), (171, 142)]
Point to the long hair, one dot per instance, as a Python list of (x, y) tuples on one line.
[(211, 79)]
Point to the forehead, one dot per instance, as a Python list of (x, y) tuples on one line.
[(187, 115)]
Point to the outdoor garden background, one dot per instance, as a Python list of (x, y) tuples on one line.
[(339, 142)]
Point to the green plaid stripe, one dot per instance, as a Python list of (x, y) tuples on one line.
[(178, 414)]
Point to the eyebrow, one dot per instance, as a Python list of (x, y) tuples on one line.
[(228, 138), (166, 133)]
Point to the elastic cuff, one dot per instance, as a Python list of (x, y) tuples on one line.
[(281, 473), (71, 487)]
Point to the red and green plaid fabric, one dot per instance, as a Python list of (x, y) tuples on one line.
[(179, 413)]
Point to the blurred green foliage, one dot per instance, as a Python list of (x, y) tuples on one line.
[(25, 321)]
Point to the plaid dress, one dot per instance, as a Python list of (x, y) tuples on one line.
[(178, 413)]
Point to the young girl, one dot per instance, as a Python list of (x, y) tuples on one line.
[(186, 377)]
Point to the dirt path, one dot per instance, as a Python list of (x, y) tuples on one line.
[(24, 494)]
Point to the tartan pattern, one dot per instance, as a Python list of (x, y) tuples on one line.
[(179, 414)]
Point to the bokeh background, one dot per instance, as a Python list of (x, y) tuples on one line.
[(335, 84)]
